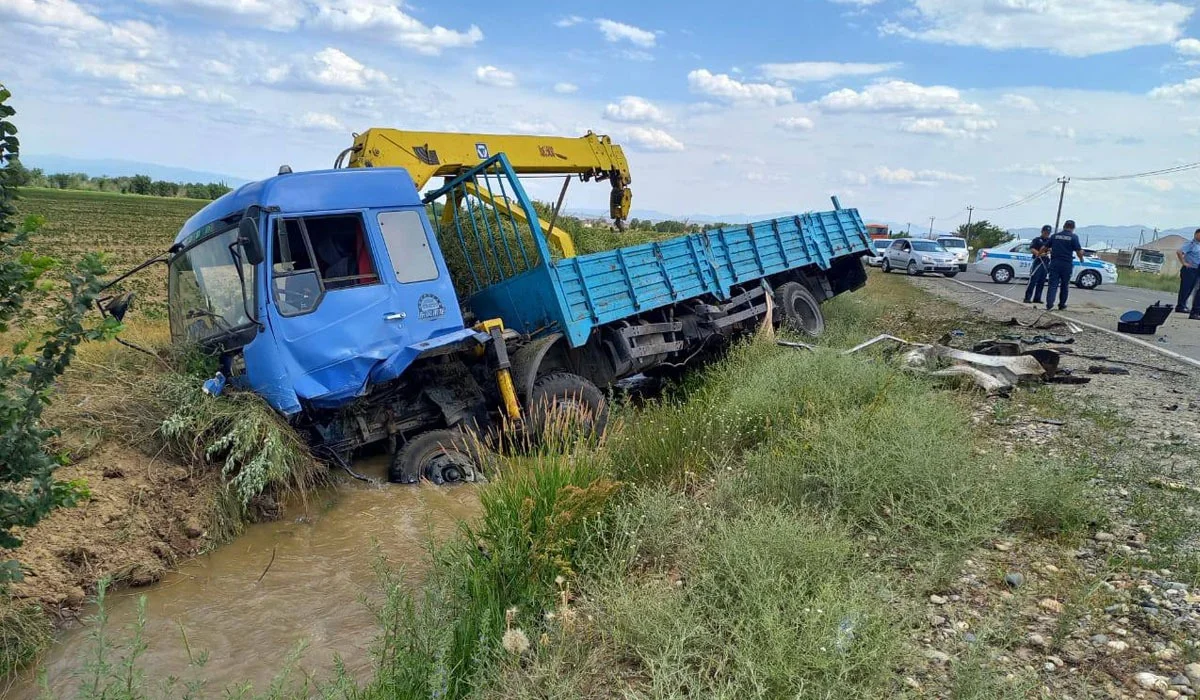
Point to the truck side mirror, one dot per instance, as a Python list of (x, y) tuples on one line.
[(248, 237)]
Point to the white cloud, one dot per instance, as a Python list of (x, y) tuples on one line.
[(1039, 169), (491, 75), (566, 88), (534, 127), (385, 18), (1067, 27), (635, 110), (814, 71), (1161, 185), (936, 126), (795, 123), (1188, 47), (159, 90), (64, 14), (318, 121), (279, 15), (859, 3), (218, 68), (899, 96), (122, 71), (328, 69), (619, 31), (569, 21), (651, 139), (723, 87), (1178, 91), (333, 69), (1067, 133), (1019, 102), (904, 176)]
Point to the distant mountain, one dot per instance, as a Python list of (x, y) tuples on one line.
[(112, 167)]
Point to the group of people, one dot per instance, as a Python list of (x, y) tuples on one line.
[(1053, 260)]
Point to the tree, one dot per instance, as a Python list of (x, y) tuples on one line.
[(28, 489), (983, 234), (140, 184)]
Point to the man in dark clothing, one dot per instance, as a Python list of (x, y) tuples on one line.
[(1064, 246), (1189, 272), (1040, 247)]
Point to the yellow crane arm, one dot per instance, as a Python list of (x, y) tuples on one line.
[(430, 154)]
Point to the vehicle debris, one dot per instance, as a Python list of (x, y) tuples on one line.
[(1106, 369), (996, 374), (1044, 323)]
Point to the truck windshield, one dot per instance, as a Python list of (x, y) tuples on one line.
[(1152, 256), (205, 294)]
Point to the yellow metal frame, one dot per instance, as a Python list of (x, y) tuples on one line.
[(429, 154), (508, 393)]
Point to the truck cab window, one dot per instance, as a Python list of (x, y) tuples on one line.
[(313, 255)]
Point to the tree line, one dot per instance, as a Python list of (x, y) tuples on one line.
[(124, 184)]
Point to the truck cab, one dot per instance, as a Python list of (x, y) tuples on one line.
[(351, 287)]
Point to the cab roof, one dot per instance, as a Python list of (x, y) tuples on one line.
[(312, 191)]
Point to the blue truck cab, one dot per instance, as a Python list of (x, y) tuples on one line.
[(329, 294)]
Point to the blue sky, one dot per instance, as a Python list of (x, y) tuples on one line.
[(904, 108)]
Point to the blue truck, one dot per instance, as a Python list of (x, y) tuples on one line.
[(366, 313)]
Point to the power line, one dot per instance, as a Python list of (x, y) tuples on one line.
[(1148, 173), (1023, 200)]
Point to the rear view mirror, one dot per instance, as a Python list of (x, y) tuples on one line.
[(248, 237), (118, 306)]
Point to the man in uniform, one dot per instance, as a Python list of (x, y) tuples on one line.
[(1064, 246), (1189, 260), (1041, 261)]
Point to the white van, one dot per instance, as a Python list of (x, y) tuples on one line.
[(957, 246)]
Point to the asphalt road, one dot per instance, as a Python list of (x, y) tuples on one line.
[(1104, 305)]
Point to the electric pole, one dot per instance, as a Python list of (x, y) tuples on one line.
[(970, 211), (1062, 193), (908, 230), (931, 226)]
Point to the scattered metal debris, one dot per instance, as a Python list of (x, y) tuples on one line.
[(1106, 369), (1044, 323), (794, 344), (1128, 363)]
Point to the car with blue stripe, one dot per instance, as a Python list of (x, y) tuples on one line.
[(1013, 259)]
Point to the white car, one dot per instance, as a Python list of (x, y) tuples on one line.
[(880, 246), (1011, 260), (916, 256), (958, 246)]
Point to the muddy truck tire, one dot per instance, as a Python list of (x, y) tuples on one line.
[(441, 456), (563, 398), (796, 308)]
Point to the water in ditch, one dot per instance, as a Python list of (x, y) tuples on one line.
[(318, 564)]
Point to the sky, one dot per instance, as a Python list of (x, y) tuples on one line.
[(906, 109)]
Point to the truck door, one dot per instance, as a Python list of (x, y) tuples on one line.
[(331, 311)]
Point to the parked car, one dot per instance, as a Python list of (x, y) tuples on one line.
[(1011, 260), (916, 256), (879, 246), (957, 246)]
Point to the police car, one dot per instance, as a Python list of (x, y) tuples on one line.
[(1013, 259)]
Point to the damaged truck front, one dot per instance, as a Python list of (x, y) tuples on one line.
[(328, 293)]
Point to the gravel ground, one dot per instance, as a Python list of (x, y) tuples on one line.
[(1117, 613)]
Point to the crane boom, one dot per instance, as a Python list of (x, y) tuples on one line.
[(430, 154)]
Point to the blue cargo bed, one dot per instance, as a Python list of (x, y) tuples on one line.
[(610, 285)]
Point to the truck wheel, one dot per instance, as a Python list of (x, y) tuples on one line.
[(561, 400), (441, 456), (1088, 279), (798, 309), (1002, 274)]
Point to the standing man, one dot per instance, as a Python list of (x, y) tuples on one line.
[(1064, 246), (1040, 247), (1189, 257)]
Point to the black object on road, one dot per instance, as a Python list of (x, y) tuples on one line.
[(1147, 322)]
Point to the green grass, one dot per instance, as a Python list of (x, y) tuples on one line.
[(25, 631), (1148, 280)]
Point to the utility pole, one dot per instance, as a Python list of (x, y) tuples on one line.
[(908, 230), (970, 211), (931, 226), (1062, 193)]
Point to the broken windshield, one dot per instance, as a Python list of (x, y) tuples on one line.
[(205, 292)]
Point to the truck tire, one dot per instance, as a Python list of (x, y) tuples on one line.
[(798, 309), (562, 396), (441, 456)]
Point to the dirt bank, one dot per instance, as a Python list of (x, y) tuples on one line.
[(143, 516)]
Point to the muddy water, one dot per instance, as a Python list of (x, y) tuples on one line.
[(311, 592)]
